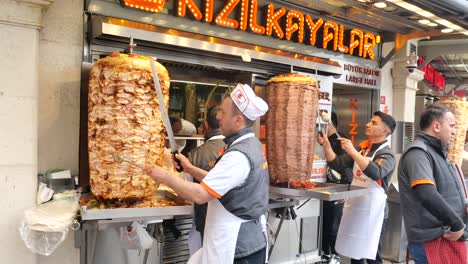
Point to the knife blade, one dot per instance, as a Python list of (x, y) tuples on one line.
[(165, 116)]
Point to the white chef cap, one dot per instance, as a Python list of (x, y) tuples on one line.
[(247, 102)]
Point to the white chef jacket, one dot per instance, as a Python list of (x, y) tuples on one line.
[(222, 227), (231, 171)]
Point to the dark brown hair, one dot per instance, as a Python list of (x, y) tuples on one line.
[(431, 113)]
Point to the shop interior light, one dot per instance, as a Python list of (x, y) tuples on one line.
[(450, 25), (380, 5), (424, 21), (246, 57), (427, 14), (455, 27), (414, 17), (443, 22), (390, 8), (432, 24), (447, 30), (405, 5)]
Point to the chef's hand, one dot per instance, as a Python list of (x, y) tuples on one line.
[(184, 162), (346, 145), (322, 139), (454, 236), (157, 173)]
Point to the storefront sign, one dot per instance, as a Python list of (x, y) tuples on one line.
[(432, 75), (360, 76), (319, 171), (383, 106), (278, 22), (353, 125), (325, 95)]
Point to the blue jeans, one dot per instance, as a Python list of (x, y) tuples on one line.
[(417, 252)]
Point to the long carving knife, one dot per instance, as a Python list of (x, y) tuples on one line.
[(165, 116)]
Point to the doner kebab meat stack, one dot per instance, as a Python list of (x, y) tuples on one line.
[(460, 111), (124, 118), (290, 127)]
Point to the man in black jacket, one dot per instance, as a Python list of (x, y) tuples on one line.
[(332, 210), (359, 233), (432, 192)]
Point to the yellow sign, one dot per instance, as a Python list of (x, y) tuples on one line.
[(291, 25)]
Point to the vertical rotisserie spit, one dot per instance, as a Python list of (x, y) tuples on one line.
[(124, 118), (290, 127)]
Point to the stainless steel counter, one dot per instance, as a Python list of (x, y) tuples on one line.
[(323, 191), (95, 222), (99, 226), (140, 214)]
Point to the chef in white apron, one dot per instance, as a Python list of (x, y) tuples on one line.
[(221, 235), (361, 224), (236, 188)]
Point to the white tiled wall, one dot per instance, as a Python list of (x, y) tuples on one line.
[(60, 50), (18, 124), (39, 111)]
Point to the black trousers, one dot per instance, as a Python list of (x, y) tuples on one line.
[(378, 257), (255, 258), (331, 222)]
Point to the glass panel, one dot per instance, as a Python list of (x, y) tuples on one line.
[(190, 100)]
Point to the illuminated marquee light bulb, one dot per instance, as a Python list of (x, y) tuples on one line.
[(190, 4), (244, 14), (378, 39), (253, 18), (354, 43), (292, 27), (272, 21), (368, 46), (209, 4), (341, 47), (146, 5), (222, 18), (327, 37), (313, 27)]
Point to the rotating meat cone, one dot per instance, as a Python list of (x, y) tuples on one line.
[(124, 118), (290, 127)]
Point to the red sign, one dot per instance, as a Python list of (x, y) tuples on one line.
[(353, 124), (385, 110), (432, 75), (382, 99), (460, 93)]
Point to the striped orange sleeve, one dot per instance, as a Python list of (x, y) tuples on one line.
[(422, 181), (210, 191)]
